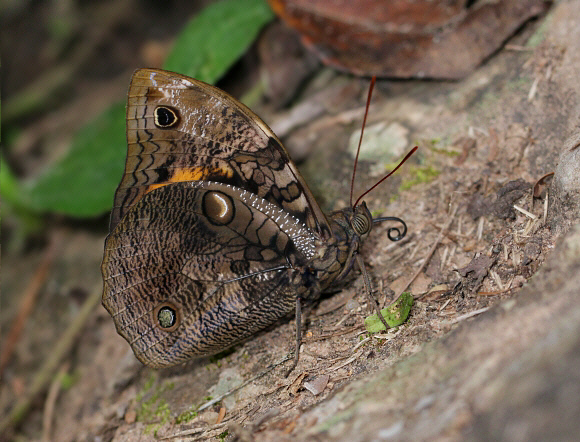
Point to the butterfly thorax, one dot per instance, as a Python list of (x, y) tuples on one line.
[(336, 256)]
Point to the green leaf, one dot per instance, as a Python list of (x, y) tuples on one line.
[(83, 182), (8, 184), (395, 314), (22, 221), (217, 37)]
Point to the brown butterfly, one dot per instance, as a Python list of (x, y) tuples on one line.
[(214, 234)]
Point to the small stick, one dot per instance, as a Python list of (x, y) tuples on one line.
[(525, 212), (338, 333), (445, 304), (29, 300), (194, 431), (51, 398), (361, 343), (368, 290), (480, 228), (546, 207), (469, 315), (497, 279), (340, 365), (298, 335), (221, 415), (431, 251)]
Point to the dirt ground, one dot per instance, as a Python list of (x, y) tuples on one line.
[(491, 349)]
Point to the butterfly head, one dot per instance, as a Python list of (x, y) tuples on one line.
[(361, 221)]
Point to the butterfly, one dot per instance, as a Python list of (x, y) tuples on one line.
[(214, 234)]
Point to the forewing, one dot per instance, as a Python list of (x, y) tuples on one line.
[(224, 259), (209, 136)]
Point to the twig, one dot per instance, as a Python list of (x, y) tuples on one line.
[(221, 415), (332, 335), (469, 315), (545, 207), (445, 304), (497, 279), (518, 48), (194, 431), (29, 300), (480, 228), (361, 343), (45, 374), (431, 251), (339, 323), (525, 212), (340, 365), (50, 402), (533, 89)]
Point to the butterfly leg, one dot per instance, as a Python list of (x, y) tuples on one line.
[(298, 335), (368, 290)]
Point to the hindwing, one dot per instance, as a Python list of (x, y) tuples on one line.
[(225, 262)]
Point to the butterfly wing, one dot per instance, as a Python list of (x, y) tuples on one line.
[(219, 261), (180, 129)]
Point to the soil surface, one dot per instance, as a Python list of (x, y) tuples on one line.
[(491, 349)]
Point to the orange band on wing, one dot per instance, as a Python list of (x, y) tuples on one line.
[(194, 174)]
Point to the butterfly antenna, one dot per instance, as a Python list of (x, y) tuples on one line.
[(386, 176), (362, 131)]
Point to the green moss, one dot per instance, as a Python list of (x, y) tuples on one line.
[(540, 35), (420, 174), (446, 152), (520, 85), (187, 415), (152, 408), (146, 387), (223, 436), (68, 380)]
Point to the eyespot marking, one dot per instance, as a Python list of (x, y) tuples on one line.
[(165, 117), (218, 207), (166, 316)]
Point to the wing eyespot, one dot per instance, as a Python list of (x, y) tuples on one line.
[(165, 117), (218, 207), (166, 316)]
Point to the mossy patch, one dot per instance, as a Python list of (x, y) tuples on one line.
[(437, 145), (152, 409), (419, 175), (187, 415)]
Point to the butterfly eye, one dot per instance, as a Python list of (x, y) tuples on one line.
[(165, 117), (360, 223), (166, 316)]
